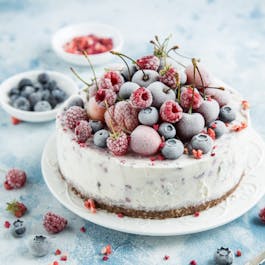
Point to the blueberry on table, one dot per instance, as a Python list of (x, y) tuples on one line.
[(172, 149), (96, 125), (27, 90), (148, 116), (42, 106), (22, 104), (39, 246), (43, 78), (100, 138), (202, 142), (167, 130), (223, 256), (18, 228), (227, 114), (24, 82)]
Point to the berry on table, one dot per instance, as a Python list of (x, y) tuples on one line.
[(106, 250), (193, 262), (127, 89), (148, 116), (54, 223), (83, 131), (100, 138), (42, 106), (18, 228), (39, 246), (169, 76), (218, 127), (161, 93), (262, 215), (15, 179), (96, 125), (15, 121), (118, 143), (22, 104), (238, 253), (145, 77), (202, 142), (223, 256), (190, 98), (170, 111), (7, 224), (141, 98), (167, 130), (58, 252), (17, 208), (172, 149), (227, 114), (149, 62), (73, 115)]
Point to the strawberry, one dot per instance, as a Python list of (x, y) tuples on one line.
[(17, 208)]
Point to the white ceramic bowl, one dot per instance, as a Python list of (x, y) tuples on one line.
[(64, 35), (63, 81)]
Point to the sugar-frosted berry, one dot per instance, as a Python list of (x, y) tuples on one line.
[(100, 138), (189, 125), (39, 245), (125, 73), (73, 115), (141, 98), (209, 109), (167, 130), (149, 62), (42, 106), (148, 116), (22, 104), (227, 114), (161, 93), (190, 97), (24, 82), (95, 111), (83, 131), (223, 256), (15, 178), (96, 125), (170, 111), (27, 91), (169, 76), (145, 140), (126, 89), (115, 78), (202, 142), (18, 228), (183, 77), (204, 74), (219, 128), (221, 96), (43, 78), (75, 101), (54, 223), (118, 144), (104, 96), (145, 78), (172, 149)]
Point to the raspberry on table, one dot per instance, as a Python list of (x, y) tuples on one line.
[(15, 179), (54, 223), (73, 115), (170, 111), (149, 62), (118, 145), (141, 98)]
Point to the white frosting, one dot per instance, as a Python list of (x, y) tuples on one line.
[(138, 183)]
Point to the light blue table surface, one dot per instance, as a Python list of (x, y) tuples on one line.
[(228, 36)]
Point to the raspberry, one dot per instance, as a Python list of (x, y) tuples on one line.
[(169, 76), (17, 208), (83, 131), (105, 95), (149, 62), (115, 78), (141, 98), (170, 111), (105, 83), (262, 215), (15, 179), (187, 99), (54, 223), (118, 145), (73, 115), (122, 116), (90, 204)]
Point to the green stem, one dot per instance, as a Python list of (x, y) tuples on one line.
[(128, 68), (197, 68), (79, 77)]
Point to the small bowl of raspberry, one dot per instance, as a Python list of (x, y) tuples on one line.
[(96, 40)]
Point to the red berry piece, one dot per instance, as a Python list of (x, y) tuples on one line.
[(17, 208), (141, 98), (149, 62), (105, 95), (196, 214), (262, 215), (197, 154), (238, 253), (58, 252), (190, 97), (169, 76), (170, 111), (105, 258), (118, 144), (83, 229), (15, 179), (73, 115), (193, 262), (7, 224), (120, 215), (90, 204), (55, 263), (83, 131), (54, 223), (15, 121), (166, 257), (115, 78), (63, 258), (106, 250)]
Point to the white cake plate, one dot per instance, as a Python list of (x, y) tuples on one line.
[(250, 191)]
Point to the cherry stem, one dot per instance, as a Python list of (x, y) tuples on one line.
[(128, 68), (194, 62), (181, 64), (79, 77), (181, 55), (179, 90), (193, 89), (111, 119)]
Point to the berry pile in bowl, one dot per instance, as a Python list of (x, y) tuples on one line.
[(35, 96), (154, 107), (96, 40)]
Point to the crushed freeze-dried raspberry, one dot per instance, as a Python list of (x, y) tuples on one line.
[(58, 252), (238, 253), (211, 133), (197, 154), (193, 262), (166, 257), (63, 258), (196, 214), (245, 104), (105, 258), (106, 250), (120, 215), (90, 204), (15, 121), (83, 229), (7, 224)]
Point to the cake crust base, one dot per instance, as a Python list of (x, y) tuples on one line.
[(174, 213)]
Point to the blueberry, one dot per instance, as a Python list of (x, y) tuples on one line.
[(42, 106), (35, 97), (202, 141), (126, 89), (43, 78), (223, 256), (59, 94), (148, 116), (18, 228), (39, 245), (218, 127), (75, 101), (52, 84), (38, 88), (227, 114), (22, 104), (24, 82), (100, 138), (172, 149), (27, 90), (13, 91), (167, 130), (13, 98), (96, 125), (45, 94), (145, 78), (52, 100), (125, 72)]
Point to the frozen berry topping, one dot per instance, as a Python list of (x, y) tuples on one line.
[(141, 98), (73, 115), (149, 62), (118, 143), (54, 223), (170, 111)]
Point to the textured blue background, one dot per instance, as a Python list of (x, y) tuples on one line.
[(228, 35)]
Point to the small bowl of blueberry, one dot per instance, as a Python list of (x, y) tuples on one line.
[(35, 96)]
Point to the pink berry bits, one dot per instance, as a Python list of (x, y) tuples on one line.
[(170, 111), (262, 215), (141, 98)]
